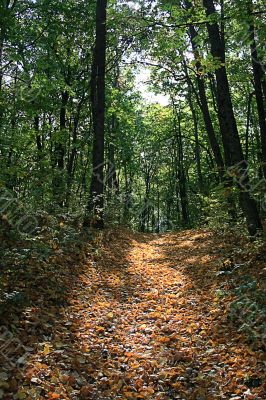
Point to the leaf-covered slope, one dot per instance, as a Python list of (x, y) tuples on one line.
[(144, 317)]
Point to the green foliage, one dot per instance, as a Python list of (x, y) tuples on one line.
[(164, 166), (248, 311)]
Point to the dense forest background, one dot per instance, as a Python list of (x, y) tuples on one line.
[(78, 138)]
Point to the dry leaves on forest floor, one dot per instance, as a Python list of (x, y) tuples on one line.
[(145, 317)]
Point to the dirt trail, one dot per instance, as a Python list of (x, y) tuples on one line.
[(146, 319)]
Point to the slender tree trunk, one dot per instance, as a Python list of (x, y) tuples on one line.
[(182, 178), (204, 105), (2, 40), (1, 59), (176, 185), (213, 89), (258, 77), (4, 11), (158, 208), (40, 158), (248, 126), (37, 135), (73, 154), (96, 200), (232, 146), (59, 155), (264, 83), (128, 194), (60, 146), (112, 180), (196, 136), (257, 145), (195, 131), (144, 222)]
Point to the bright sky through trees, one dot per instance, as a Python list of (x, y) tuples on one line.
[(142, 83)]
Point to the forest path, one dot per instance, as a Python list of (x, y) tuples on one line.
[(146, 319)]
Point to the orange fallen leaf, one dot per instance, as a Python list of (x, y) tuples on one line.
[(53, 395)]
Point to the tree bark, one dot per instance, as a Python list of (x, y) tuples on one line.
[(59, 155), (112, 180), (258, 78), (38, 136), (2, 41), (182, 178), (1, 59), (96, 200), (231, 141), (73, 153), (205, 107), (248, 126), (197, 146)]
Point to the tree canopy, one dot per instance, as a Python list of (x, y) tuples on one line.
[(78, 135)]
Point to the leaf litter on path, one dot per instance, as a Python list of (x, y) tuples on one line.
[(146, 317)]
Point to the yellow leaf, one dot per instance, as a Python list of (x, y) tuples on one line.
[(47, 349), (142, 327), (100, 329)]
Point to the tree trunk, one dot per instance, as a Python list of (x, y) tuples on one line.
[(182, 178), (158, 208), (232, 146), (1, 59), (205, 107), (96, 201), (144, 215), (2, 40), (112, 180), (59, 155), (60, 146), (258, 76), (248, 126), (197, 146), (264, 83), (128, 194), (37, 135), (73, 153), (227, 181)]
